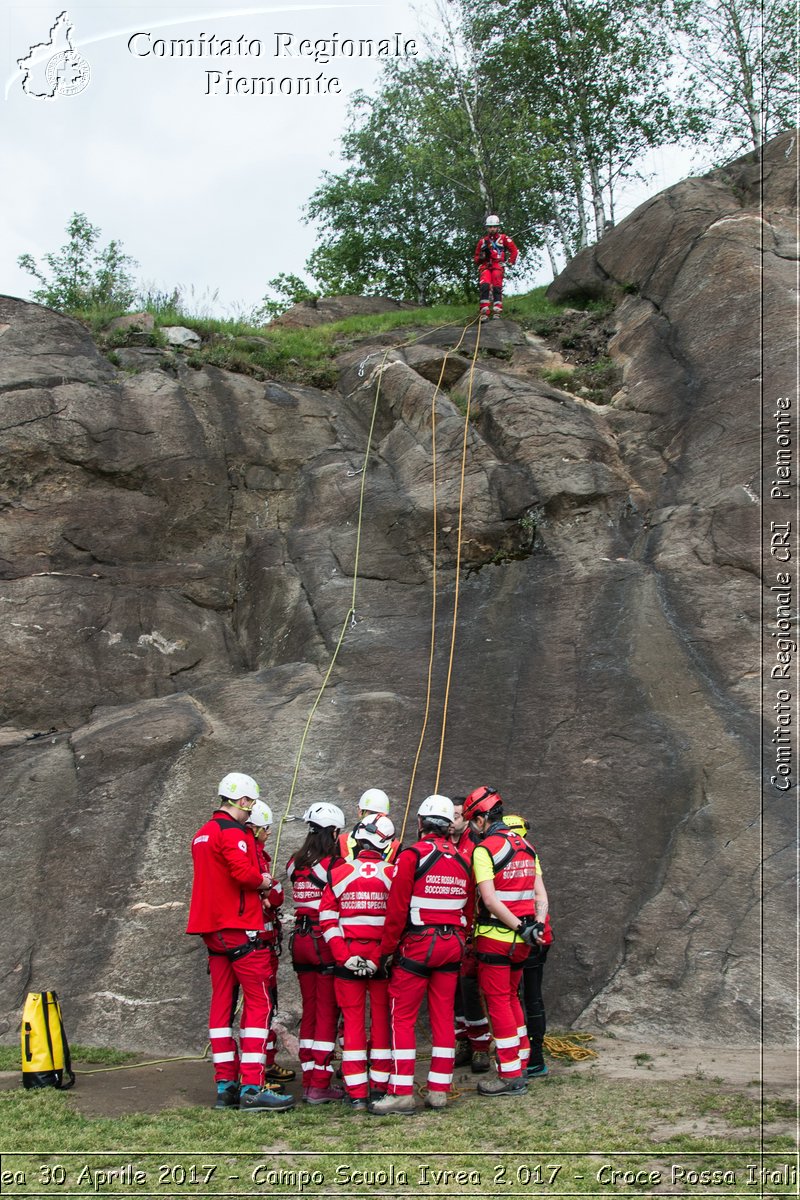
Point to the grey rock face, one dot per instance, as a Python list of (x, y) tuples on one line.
[(177, 554)]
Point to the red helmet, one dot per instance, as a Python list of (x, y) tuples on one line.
[(481, 801)]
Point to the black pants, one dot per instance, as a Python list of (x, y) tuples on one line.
[(533, 1003)]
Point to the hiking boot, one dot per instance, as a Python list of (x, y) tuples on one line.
[(484, 317), (391, 1106), (264, 1100), (536, 1070), (436, 1099), (516, 1086), (316, 1095), (358, 1103), (463, 1053), (480, 1062), (278, 1074), (227, 1095)]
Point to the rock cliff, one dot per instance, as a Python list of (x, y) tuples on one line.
[(177, 550)]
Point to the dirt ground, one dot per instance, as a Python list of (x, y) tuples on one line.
[(151, 1088)]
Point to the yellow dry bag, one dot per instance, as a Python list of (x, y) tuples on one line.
[(45, 1050)]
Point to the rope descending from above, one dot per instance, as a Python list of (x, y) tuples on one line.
[(434, 578)]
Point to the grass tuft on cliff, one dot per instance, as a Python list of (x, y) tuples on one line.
[(308, 355)]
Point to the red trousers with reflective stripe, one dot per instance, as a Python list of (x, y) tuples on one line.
[(357, 1049), (253, 974), (406, 992), (320, 1019), (471, 1022), (490, 286), (500, 986), (272, 1041)]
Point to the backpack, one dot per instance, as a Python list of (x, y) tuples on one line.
[(45, 1050)]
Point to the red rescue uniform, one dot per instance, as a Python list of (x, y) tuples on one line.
[(507, 859), (428, 914), (471, 1023), (493, 253), (313, 962), (271, 903), (225, 909), (352, 917)]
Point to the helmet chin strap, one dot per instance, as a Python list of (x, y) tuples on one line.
[(240, 807)]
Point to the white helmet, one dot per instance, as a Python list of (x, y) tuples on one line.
[(375, 801), (324, 815), (260, 815), (236, 786), (377, 831), (492, 219), (437, 808)]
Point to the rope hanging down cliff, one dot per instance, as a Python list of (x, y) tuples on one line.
[(349, 619)]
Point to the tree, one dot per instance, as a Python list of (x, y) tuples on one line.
[(742, 56), (596, 77), (427, 157), (79, 275), (289, 289)]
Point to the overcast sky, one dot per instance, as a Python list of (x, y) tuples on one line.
[(205, 188)]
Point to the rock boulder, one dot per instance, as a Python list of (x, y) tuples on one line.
[(177, 568)]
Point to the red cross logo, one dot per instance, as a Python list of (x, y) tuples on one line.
[(368, 869)]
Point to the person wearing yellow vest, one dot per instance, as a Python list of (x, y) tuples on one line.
[(532, 973), (512, 907)]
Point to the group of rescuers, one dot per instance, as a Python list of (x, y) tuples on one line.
[(460, 918)]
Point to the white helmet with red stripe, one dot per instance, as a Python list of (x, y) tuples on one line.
[(376, 831), (373, 800)]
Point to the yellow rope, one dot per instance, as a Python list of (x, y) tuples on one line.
[(153, 1062), (570, 1046), (458, 560), (426, 713), (350, 614)]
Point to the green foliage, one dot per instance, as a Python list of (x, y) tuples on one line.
[(596, 381), (742, 59), (81, 275), (428, 157), (594, 80), (289, 289)]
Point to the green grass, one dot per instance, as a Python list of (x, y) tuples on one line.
[(306, 355), (100, 1055), (559, 1124)]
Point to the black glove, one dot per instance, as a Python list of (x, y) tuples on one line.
[(530, 930)]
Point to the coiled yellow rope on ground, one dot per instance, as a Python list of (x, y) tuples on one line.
[(571, 1046)]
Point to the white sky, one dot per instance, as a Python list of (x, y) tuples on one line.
[(205, 191)]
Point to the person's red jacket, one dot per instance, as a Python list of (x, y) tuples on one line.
[(227, 878), (498, 251), (449, 882)]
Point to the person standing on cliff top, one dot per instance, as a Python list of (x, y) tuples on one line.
[(493, 254)]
